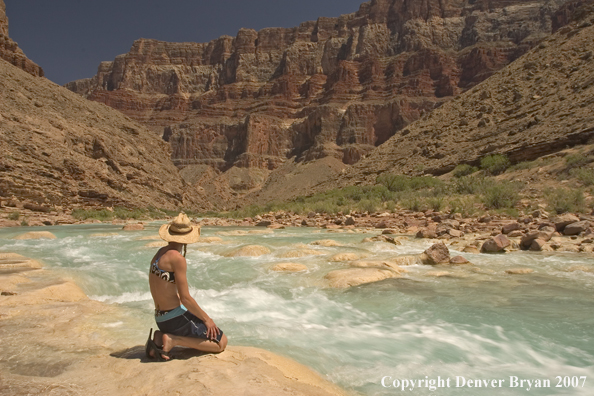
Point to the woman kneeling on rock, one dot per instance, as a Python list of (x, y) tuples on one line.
[(180, 320)]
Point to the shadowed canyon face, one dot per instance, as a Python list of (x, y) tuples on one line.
[(10, 51), (335, 87)]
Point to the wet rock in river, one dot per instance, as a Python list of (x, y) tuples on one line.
[(289, 267), (436, 254), (496, 244), (326, 243), (35, 235), (345, 278), (344, 257), (249, 251), (519, 271)]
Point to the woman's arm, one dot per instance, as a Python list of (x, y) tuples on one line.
[(181, 280)]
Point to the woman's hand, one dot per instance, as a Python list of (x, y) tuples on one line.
[(212, 331)]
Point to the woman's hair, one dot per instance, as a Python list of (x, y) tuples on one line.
[(185, 248)]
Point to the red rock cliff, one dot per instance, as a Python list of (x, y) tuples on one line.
[(10, 51), (332, 87)]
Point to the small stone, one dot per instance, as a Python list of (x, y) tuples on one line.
[(459, 260), (515, 234), (427, 233), (263, 223), (349, 221), (471, 249)]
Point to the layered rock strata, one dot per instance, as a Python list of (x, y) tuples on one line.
[(540, 104), (58, 150), (10, 51), (335, 87)]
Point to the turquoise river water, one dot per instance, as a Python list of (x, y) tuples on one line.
[(477, 324)]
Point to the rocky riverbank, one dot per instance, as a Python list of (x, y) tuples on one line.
[(56, 341)]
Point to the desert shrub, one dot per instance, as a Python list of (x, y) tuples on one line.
[(412, 204), (463, 205), (522, 166), (390, 206), (464, 170), (405, 183), (576, 160), (562, 200), (14, 216), (24, 223), (583, 175), (436, 203), (470, 185), (501, 195), (95, 214), (495, 164), (368, 205)]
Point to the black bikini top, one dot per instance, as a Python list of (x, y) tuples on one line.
[(165, 275)]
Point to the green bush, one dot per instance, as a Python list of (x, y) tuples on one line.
[(584, 175), (464, 170), (470, 185), (495, 164), (14, 216), (406, 183), (436, 203), (368, 205), (412, 204), (523, 165), (101, 214), (24, 223), (562, 200), (576, 160), (464, 206), (501, 195)]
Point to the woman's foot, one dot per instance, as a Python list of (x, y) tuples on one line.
[(164, 343)]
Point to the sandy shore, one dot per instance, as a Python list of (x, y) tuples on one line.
[(55, 342)]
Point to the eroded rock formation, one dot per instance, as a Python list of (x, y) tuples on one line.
[(335, 87), (10, 51), (58, 150), (539, 105)]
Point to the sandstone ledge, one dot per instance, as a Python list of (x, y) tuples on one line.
[(77, 353)]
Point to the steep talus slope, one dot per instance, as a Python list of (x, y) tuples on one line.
[(538, 105), (335, 87), (10, 51), (58, 149)]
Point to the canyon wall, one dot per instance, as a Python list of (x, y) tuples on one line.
[(10, 51), (334, 87)]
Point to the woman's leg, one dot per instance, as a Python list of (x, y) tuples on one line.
[(169, 341)]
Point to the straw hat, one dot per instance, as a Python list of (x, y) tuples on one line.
[(180, 230)]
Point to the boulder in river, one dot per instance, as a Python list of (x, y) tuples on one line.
[(436, 254), (36, 235), (345, 278), (249, 251)]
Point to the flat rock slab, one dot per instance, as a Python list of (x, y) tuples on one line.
[(342, 279), (35, 235), (14, 261), (69, 319)]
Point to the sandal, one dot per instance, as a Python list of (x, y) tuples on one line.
[(159, 354)]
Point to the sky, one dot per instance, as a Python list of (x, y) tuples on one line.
[(69, 38)]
